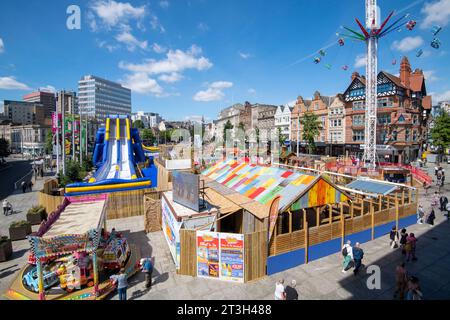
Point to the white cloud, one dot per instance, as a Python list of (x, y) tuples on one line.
[(154, 22), (430, 75), (203, 26), (164, 4), (2, 46), (107, 46), (112, 13), (48, 88), (251, 91), (214, 92), (436, 13), (407, 44), (130, 41), (171, 78), (141, 83), (158, 48), (175, 61), (10, 83), (360, 60), (244, 55), (438, 97)]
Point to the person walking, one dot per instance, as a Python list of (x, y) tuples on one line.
[(24, 186), (6, 207), (358, 255), (291, 292), (420, 214), (347, 253), (30, 185), (413, 289), (447, 209), (411, 247), (122, 284), (403, 236), (435, 199), (393, 235), (401, 281), (431, 217), (147, 268), (443, 201), (280, 293)]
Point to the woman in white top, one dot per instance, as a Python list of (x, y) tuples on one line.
[(280, 293), (348, 255)]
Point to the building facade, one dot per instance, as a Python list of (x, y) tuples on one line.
[(403, 110), (20, 112), (283, 121), (336, 126), (45, 98), (69, 100), (237, 114), (29, 139), (149, 119), (266, 123), (99, 98)]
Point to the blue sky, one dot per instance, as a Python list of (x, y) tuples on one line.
[(187, 58)]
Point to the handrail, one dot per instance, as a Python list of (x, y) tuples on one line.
[(128, 128), (107, 130), (15, 183), (117, 129)]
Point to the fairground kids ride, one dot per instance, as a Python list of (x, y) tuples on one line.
[(118, 151)]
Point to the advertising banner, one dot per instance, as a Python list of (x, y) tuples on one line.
[(232, 257), (208, 254), (220, 256), (171, 229)]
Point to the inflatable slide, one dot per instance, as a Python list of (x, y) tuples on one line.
[(118, 151)]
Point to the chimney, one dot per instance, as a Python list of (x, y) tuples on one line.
[(355, 75), (405, 72)]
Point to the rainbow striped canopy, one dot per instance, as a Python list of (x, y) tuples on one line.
[(263, 184)]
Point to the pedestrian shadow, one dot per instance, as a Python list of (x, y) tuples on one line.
[(8, 273), (4, 269), (19, 253)]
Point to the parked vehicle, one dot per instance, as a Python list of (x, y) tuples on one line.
[(30, 279)]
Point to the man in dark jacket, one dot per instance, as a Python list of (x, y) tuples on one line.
[(147, 268), (358, 255), (443, 202)]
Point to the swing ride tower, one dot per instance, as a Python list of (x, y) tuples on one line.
[(371, 33), (370, 135)]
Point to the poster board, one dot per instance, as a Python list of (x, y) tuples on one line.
[(171, 230), (220, 256), (232, 257), (186, 189)]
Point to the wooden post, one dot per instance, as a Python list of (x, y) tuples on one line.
[(95, 267), (40, 279), (351, 209), (372, 212), (403, 197), (317, 216), (290, 221), (380, 203), (342, 224), (305, 227), (396, 213), (409, 196), (275, 238), (331, 213)]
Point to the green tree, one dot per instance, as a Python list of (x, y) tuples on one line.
[(4, 147), (281, 138), (49, 142), (441, 132), (311, 129), (227, 126), (74, 173), (148, 136), (138, 124)]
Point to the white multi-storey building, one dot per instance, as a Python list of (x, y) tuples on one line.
[(99, 98), (283, 120), (149, 119)]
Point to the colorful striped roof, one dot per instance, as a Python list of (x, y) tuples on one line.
[(260, 183)]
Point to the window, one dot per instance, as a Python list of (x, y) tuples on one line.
[(407, 135), (384, 118), (414, 135), (358, 120), (401, 119), (358, 135), (384, 102), (316, 106), (384, 136), (358, 105), (394, 135)]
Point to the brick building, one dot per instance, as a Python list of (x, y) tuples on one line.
[(403, 109)]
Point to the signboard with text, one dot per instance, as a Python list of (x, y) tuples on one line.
[(171, 230)]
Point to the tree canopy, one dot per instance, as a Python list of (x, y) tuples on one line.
[(138, 124), (311, 129), (441, 132)]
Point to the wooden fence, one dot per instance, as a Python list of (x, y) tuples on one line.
[(282, 243), (48, 201), (152, 212), (255, 258), (125, 204), (188, 253)]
